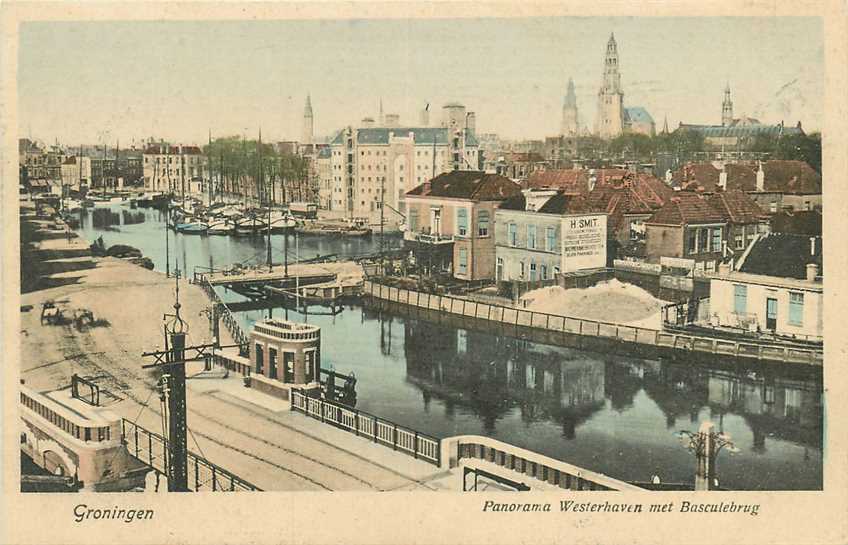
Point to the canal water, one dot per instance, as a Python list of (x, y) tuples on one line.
[(609, 413)]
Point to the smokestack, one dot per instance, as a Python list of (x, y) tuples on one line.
[(813, 246), (761, 177)]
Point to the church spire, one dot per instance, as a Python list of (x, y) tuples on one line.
[(665, 125), (308, 121), (727, 108)]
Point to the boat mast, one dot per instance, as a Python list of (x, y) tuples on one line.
[(211, 188), (182, 174), (267, 203)]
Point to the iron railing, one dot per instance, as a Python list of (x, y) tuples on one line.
[(151, 449), (469, 308), (230, 322), (379, 430)]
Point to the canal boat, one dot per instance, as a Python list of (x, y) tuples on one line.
[(281, 222), (192, 228), (219, 227)]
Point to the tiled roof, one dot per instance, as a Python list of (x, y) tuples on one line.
[(422, 135), (798, 222), (791, 177), (468, 184), (794, 177), (687, 208), (569, 180), (565, 204), (736, 206), (559, 204), (783, 255)]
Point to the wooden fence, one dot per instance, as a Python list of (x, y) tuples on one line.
[(577, 326), (379, 430)]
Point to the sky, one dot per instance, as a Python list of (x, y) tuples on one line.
[(96, 82)]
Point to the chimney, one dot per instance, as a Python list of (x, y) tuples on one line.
[(761, 177), (722, 179), (812, 246), (812, 272), (723, 269), (668, 176)]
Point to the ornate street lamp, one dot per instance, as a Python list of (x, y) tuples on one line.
[(705, 444)]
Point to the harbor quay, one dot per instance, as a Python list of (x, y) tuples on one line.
[(239, 422)]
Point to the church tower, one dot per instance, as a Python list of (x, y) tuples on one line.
[(609, 121), (727, 108), (569, 111), (306, 135)]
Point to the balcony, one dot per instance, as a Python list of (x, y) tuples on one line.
[(426, 238)]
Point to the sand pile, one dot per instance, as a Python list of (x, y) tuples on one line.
[(610, 301)]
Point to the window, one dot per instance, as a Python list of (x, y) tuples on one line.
[(740, 299), (520, 269), (693, 241), (550, 239), (796, 308), (272, 362), (532, 271), (704, 240), (716, 239), (544, 271), (483, 223), (531, 236), (462, 221), (739, 241), (463, 261), (513, 236), (773, 207), (413, 219), (259, 358)]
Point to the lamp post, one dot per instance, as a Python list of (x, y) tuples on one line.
[(705, 444)]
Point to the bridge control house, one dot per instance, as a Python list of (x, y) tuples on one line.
[(284, 355)]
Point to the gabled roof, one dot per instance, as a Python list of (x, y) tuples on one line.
[(736, 206), (783, 255), (687, 208), (468, 184), (791, 177)]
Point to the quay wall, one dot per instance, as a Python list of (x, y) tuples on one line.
[(579, 333)]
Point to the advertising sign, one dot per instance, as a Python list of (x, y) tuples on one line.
[(584, 242)]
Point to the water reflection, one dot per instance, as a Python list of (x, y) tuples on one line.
[(493, 376)]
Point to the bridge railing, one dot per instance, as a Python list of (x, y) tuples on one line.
[(512, 316), (530, 464), (379, 430), (151, 449), (230, 322)]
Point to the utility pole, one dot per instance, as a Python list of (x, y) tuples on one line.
[(382, 221), (173, 360)]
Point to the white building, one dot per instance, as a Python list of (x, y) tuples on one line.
[(173, 168), (776, 287), (76, 172), (368, 162), (542, 233)]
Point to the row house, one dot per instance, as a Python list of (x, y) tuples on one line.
[(775, 287), (376, 164), (541, 233), (450, 223), (774, 185), (76, 172), (703, 229), (173, 169), (519, 165)]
